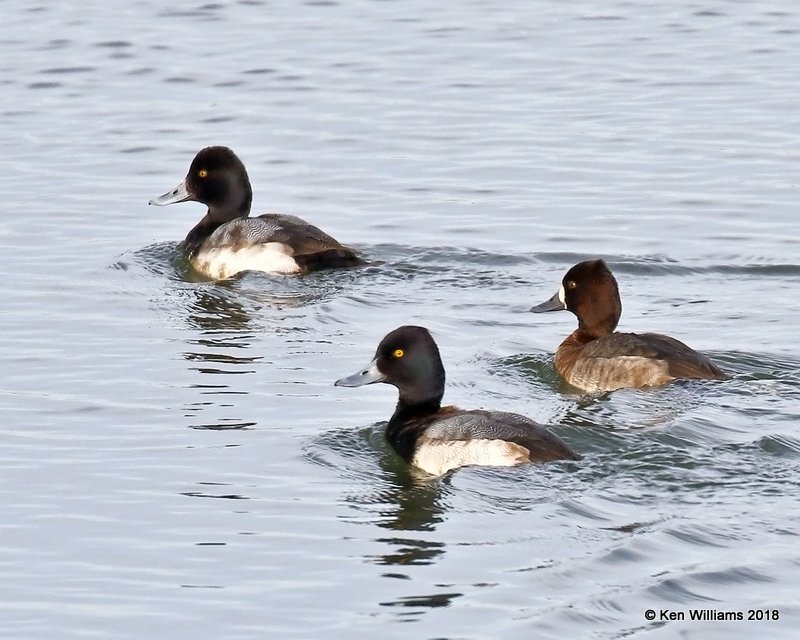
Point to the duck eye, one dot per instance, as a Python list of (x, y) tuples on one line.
[(571, 284), (398, 353), (202, 173)]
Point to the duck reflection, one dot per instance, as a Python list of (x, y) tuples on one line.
[(397, 497), (212, 490), (225, 324), (415, 503), (214, 309), (409, 551), (226, 318), (221, 349), (433, 600)]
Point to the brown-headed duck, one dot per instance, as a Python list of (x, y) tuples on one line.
[(596, 358)]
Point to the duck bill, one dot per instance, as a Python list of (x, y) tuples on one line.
[(556, 303), (370, 375), (178, 194)]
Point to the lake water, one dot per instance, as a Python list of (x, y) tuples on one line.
[(175, 459)]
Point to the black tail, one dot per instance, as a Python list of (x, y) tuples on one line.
[(328, 259)]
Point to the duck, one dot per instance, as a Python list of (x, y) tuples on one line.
[(595, 358), (228, 241), (436, 438)]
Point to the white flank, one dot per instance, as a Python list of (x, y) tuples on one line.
[(271, 257), (439, 456)]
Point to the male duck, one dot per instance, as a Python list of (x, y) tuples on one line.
[(436, 438), (226, 241)]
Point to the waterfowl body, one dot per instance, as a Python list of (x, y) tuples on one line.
[(227, 241), (595, 358), (436, 438)]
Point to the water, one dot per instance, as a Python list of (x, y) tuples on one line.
[(176, 461)]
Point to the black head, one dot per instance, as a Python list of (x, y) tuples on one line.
[(590, 291), (218, 179), (407, 358)]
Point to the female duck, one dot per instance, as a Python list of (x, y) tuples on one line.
[(226, 241), (595, 358), (436, 438)]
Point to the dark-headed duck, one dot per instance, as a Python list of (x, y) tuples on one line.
[(595, 358), (226, 241), (436, 438)]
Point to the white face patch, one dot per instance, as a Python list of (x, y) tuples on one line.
[(439, 456), (562, 295), (270, 257)]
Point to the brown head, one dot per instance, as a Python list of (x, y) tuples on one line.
[(590, 291)]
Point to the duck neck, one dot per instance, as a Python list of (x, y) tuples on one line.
[(583, 335), (598, 328), (235, 204), (198, 235), (407, 424)]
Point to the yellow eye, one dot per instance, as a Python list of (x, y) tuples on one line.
[(202, 173), (571, 284), (399, 353)]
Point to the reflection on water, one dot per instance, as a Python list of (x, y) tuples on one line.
[(196, 410), (225, 319), (400, 498), (409, 551), (223, 348), (414, 500), (217, 309), (430, 601), (209, 494), (410, 506), (408, 501)]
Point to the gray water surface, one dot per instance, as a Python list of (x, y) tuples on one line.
[(175, 459)]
